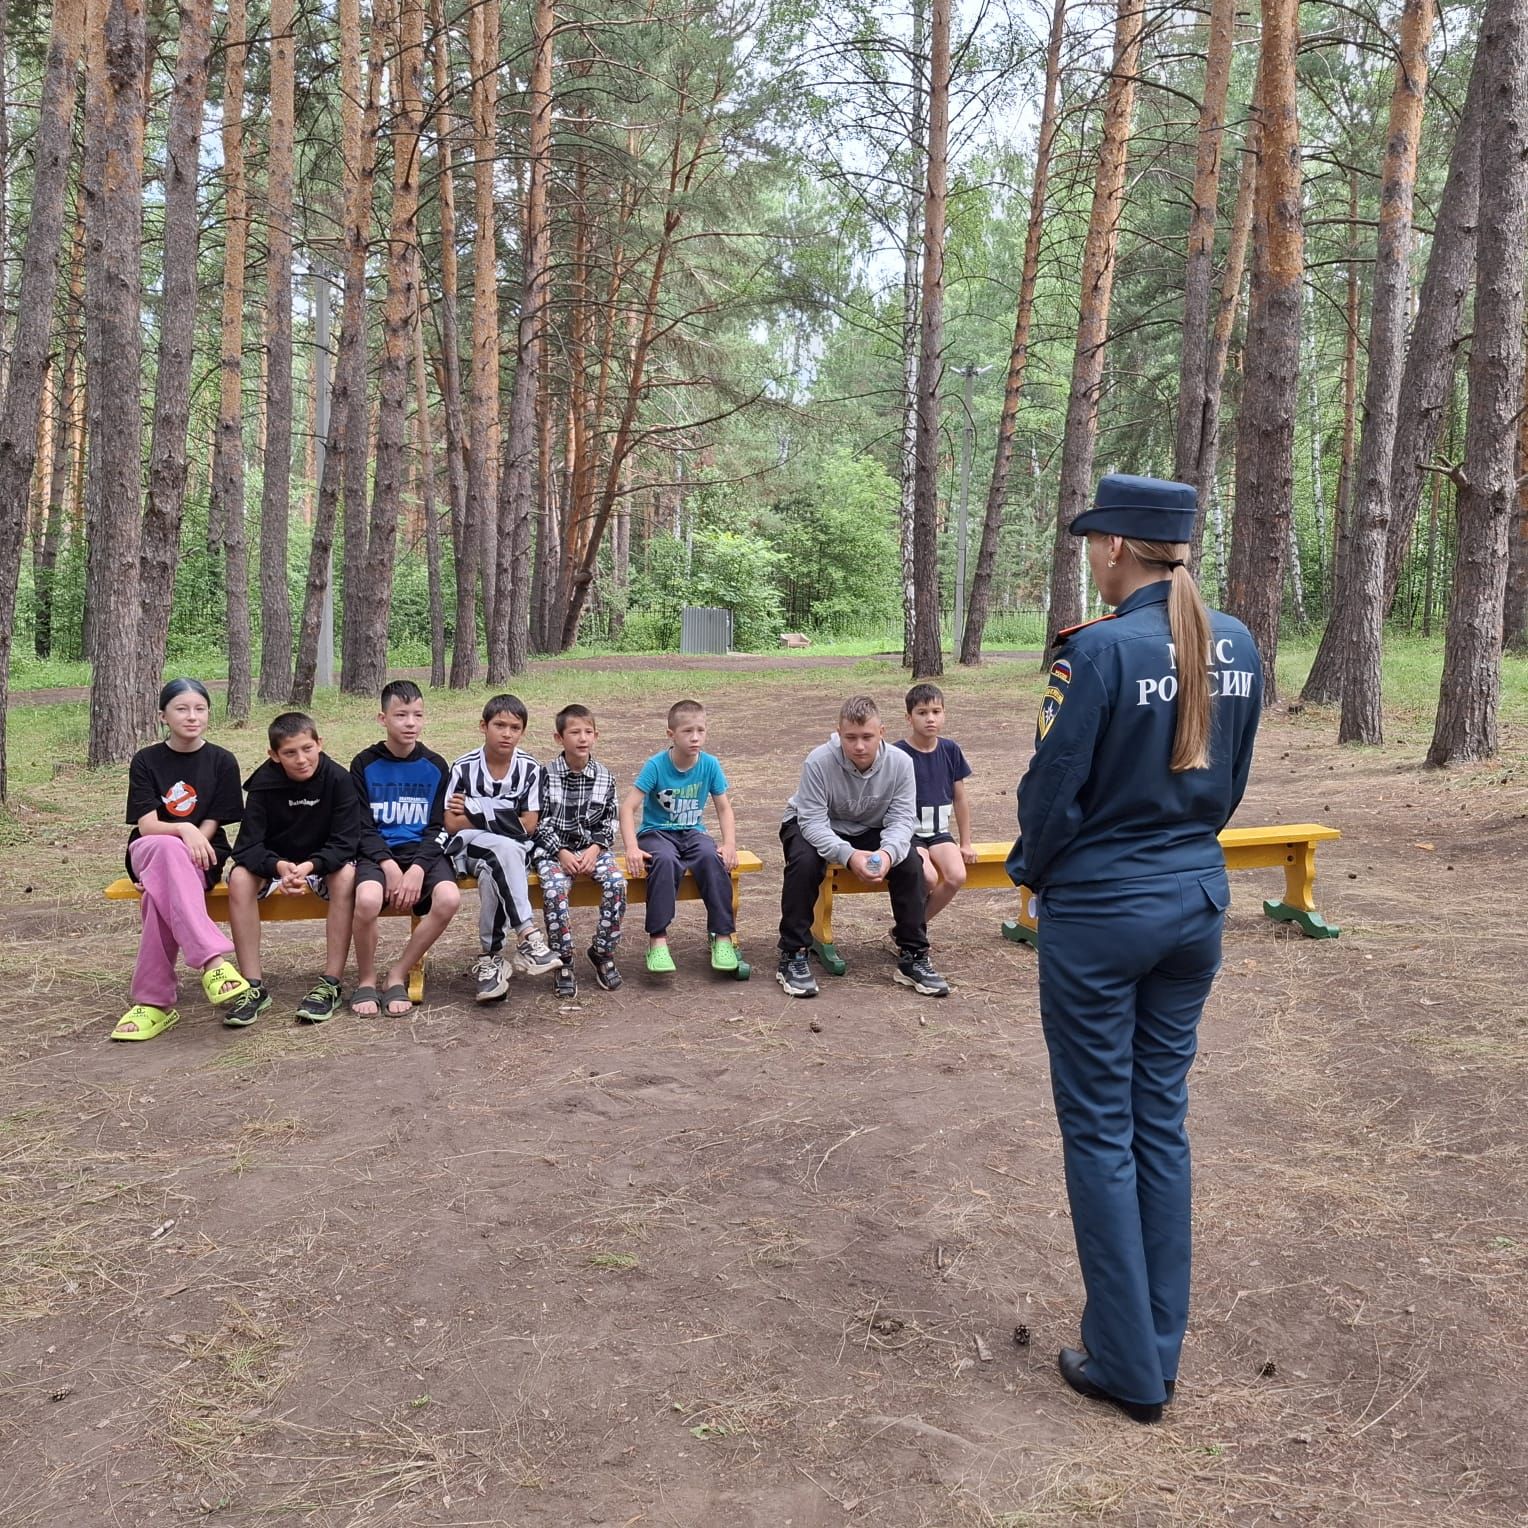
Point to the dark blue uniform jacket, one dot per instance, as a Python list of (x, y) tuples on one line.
[(1099, 801)]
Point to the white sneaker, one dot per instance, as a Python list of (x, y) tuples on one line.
[(491, 974), (534, 957)]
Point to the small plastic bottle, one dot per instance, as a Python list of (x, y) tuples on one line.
[(873, 863)]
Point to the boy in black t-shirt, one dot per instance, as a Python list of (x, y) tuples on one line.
[(301, 831), (941, 770)]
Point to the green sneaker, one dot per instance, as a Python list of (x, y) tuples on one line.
[(723, 952), (659, 961), (247, 1007), (321, 1003)]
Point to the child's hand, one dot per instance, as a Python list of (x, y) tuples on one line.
[(410, 887), (859, 864), (586, 859), (197, 846), (968, 854), (569, 861), (457, 804), (636, 861), (727, 855)]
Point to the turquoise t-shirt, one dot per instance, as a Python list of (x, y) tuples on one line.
[(675, 799)]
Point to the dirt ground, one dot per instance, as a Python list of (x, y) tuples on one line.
[(701, 1254)]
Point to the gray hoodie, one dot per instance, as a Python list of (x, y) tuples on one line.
[(835, 799)]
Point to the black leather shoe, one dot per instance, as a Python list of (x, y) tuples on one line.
[(1070, 1363)]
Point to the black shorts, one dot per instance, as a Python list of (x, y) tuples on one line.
[(932, 839), (369, 872)]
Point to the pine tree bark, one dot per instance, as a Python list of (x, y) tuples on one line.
[(1363, 619), (912, 317), (426, 451), (227, 528), (478, 521), (21, 413), (276, 490), (1018, 355), (1265, 426), (399, 315), (928, 656), (509, 633), (1198, 269), (165, 501), (1432, 355), (1470, 697), (1514, 626), (1098, 260)]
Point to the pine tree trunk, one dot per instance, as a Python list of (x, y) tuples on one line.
[(1514, 624), (114, 349), (426, 450), (276, 490), (509, 635), (352, 416), (1470, 697), (912, 320), (1265, 423), (21, 414), (165, 502), (928, 657), (5, 221), (1430, 578), (1198, 269), (473, 562), (1436, 333), (1323, 685), (1317, 479), (1018, 355), (1098, 259), (1364, 618), (227, 527), (405, 73), (1226, 309)]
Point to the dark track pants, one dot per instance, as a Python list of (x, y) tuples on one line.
[(804, 870), (1125, 969), (673, 854)]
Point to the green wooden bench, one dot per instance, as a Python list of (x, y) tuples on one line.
[(306, 907)]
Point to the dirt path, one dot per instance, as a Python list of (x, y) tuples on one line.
[(702, 1255)]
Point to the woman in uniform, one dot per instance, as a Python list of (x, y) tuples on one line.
[(1142, 749)]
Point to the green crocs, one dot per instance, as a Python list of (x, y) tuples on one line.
[(659, 961), (723, 952)]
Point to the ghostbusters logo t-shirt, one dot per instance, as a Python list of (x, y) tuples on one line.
[(186, 787)]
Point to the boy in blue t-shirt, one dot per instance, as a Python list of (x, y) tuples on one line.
[(941, 770), (672, 789)]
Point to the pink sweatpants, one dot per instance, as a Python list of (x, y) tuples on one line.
[(174, 918)]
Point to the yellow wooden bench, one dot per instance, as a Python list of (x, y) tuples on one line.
[(306, 906), (1292, 845)]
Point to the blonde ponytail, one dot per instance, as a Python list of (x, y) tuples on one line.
[(1189, 623)]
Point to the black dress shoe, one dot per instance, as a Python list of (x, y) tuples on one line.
[(1070, 1363)]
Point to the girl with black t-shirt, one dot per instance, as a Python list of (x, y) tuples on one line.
[(180, 793)]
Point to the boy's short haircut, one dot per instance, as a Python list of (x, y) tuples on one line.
[(405, 691), (290, 724), (682, 709), (575, 712), (923, 695), (499, 704), (859, 709)]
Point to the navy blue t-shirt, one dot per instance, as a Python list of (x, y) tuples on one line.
[(936, 772)]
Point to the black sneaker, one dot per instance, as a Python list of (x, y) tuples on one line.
[(490, 975), (795, 975), (565, 984), (917, 971), (605, 972), (247, 1007), (320, 1004)]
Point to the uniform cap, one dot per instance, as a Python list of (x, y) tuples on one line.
[(1146, 509)]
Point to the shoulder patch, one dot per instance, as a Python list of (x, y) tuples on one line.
[(1068, 631), (1061, 670)]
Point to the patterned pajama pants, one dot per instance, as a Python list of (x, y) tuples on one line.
[(556, 884)]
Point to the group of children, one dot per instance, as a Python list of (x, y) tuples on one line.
[(400, 826)]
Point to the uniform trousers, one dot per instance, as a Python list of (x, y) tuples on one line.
[(673, 854), (174, 907), (557, 883), (504, 888), (1125, 968)]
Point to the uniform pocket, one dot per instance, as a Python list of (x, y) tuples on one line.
[(1217, 889)]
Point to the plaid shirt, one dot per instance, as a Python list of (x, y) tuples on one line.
[(578, 808)]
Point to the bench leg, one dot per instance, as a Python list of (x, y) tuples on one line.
[(1025, 929), (1299, 904), (416, 973), (822, 927), (744, 970)]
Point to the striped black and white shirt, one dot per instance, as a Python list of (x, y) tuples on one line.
[(496, 805), (578, 808)]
